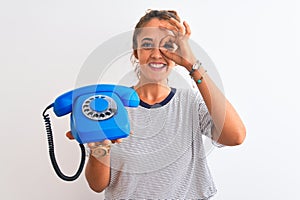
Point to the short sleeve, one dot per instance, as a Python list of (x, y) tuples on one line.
[(205, 120)]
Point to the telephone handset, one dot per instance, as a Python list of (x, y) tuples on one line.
[(97, 113)]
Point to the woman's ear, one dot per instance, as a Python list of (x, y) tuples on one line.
[(135, 54)]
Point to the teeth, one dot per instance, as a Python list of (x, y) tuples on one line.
[(156, 65)]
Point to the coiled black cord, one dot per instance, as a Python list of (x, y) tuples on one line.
[(52, 154)]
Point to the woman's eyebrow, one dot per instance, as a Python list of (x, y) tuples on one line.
[(147, 39)]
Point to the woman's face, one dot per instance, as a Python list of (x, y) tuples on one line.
[(154, 66)]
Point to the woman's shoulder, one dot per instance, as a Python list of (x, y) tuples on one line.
[(189, 96), (187, 92)]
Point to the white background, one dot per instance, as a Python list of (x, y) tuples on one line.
[(253, 43)]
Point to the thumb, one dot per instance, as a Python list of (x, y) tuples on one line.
[(69, 135), (174, 56), (168, 54)]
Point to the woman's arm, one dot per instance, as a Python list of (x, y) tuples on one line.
[(229, 128), (97, 172)]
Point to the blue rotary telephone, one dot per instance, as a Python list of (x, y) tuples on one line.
[(97, 113)]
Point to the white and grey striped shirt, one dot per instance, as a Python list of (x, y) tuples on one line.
[(165, 157)]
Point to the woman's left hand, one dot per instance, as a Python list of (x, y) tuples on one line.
[(183, 55)]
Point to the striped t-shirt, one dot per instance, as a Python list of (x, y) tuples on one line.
[(165, 156)]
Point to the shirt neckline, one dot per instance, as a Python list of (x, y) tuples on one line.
[(160, 104)]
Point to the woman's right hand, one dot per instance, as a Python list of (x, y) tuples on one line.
[(98, 149), (70, 136)]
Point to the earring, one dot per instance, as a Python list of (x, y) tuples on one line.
[(136, 64)]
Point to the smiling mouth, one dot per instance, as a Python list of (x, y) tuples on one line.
[(157, 66)]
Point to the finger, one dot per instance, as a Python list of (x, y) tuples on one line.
[(169, 43), (187, 28), (105, 142), (69, 135), (174, 57), (170, 27), (96, 144), (177, 24), (170, 55), (91, 145), (118, 141), (167, 38)]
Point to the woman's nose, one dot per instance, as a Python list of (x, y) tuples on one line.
[(155, 53)]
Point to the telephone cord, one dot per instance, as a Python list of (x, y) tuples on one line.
[(52, 154)]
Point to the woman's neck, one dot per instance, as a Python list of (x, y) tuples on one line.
[(152, 93)]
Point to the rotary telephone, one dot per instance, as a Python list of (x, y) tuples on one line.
[(97, 113)]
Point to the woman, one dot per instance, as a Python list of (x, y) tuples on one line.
[(165, 158)]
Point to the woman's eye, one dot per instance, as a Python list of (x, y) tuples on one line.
[(147, 45), (170, 46)]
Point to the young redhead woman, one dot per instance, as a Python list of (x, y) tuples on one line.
[(164, 158)]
